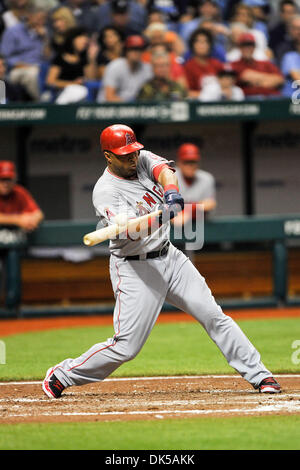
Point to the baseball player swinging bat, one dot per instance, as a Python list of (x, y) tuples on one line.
[(148, 270)]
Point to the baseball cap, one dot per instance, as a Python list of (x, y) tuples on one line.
[(188, 152), (7, 169), (246, 39), (119, 6), (135, 42)]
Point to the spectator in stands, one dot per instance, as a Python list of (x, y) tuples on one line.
[(13, 92), (124, 77), (177, 72), (260, 10), (62, 20), (221, 34), (17, 206), (261, 51), (279, 33), (196, 185), (83, 13), (70, 70), (16, 12), (256, 77), (289, 43), (290, 67), (23, 47), (201, 67), (207, 10), (161, 87), (224, 89), (244, 15), (279, 37), (111, 43), (129, 16)]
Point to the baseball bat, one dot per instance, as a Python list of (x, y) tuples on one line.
[(106, 233)]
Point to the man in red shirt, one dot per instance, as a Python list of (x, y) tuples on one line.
[(256, 77), (17, 206), (201, 66)]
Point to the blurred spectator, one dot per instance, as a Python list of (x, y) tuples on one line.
[(17, 206), (13, 92), (201, 67), (220, 34), (243, 14), (280, 32), (129, 16), (177, 72), (261, 51), (224, 89), (260, 10), (124, 77), (73, 67), (83, 13), (157, 33), (256, 77), (290, 67), (196, 186), (207, 10), (23, 47), (288, 42), (111, 47), (161, 87), (62, 20), (16, 12)]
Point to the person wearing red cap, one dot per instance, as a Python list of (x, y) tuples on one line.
[(17, 206), (124, 77), (197, 186), (256, 77)]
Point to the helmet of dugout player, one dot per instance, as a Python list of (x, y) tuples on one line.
[(119, 139)]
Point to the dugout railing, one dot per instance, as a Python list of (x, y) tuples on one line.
[(276, 231)]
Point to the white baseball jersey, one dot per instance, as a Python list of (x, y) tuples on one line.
[(113, 195), (203, 187)]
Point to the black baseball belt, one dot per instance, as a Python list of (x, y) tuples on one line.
[(152, 254)]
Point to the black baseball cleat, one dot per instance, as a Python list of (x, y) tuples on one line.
[(51, 385), (269, 385)]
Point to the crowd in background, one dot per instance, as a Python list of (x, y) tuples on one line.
[(146, 50)]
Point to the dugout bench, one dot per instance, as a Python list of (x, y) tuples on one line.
[(273, 230)]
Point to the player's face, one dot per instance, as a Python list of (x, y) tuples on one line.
[(123, 165), (6, 186), (188, 168)]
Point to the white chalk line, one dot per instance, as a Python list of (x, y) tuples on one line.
[(123, 401), (282, 407), (163, 377)]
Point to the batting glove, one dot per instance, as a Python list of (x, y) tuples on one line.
[(174, 203)]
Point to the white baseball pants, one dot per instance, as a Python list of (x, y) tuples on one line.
[(141, 288)]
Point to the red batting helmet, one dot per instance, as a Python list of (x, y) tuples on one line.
[(188, 152), (119, 139)]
